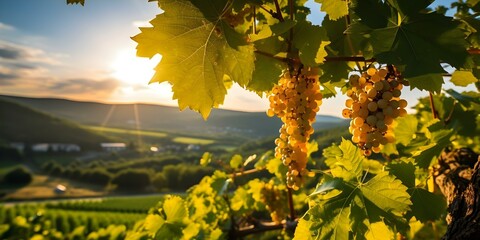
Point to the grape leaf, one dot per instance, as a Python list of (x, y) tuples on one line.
[(153, 223), (426, 205), (417, 41), (356, 207), (464, 99), (310, 41), (426, 153), (344, 160), (331, 218), (463, 78), (387, 193), (328, 185), (406, 132), (82, 2), (334, 8), (335, 71), (198, 51), (430, 82), (378, 230), (236, 161), (175, 209), (404, 171), (302, 231), (407, 7), (267, 72)]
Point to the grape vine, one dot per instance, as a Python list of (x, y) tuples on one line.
[(373, 187)]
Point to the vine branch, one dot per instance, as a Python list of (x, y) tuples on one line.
[(259, 227), (432, 106), (290, 204), (278, 12)]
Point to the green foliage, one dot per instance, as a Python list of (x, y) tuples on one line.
[(18, 175), (201, 48), (76, 2), (132, 179), (206, 46)]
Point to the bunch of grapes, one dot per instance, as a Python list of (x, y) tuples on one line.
[(373, 105), (274, 199), (295, 100)]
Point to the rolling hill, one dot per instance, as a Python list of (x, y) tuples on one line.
[(165, 118), (19, 123)]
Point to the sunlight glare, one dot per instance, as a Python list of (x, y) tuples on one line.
[(133, 70)]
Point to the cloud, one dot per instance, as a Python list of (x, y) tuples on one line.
[(7, 79), (19, 53), (10, 53), (6, 27), (84, 86)]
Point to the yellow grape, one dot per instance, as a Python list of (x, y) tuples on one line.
[(295, 100), (372, 106)]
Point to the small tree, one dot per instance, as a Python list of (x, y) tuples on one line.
[(19, 175), (132, 179)]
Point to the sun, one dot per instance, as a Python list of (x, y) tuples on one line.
[(132, 70)]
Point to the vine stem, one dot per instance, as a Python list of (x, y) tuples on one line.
[(278, 11), (254, 27), (432, 106), (290, 204)]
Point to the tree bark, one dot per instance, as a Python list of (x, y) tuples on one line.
[(458, 177)]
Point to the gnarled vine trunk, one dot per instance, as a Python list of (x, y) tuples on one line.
[(458, 177)]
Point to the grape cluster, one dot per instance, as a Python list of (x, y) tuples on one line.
[(274, 199), (295, 100), (373, 105)]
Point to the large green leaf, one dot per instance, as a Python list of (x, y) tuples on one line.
[(302, 231), (199, 52), (334, 8), (463, 78), (426, 205), (387, 193), (175, 209), (431, 82), (331, 218), (404, 171), (426, 153), (310, 41), (82, 2), (417, 41), (153, 222), (357, 209), (407, 127), (345, 161)]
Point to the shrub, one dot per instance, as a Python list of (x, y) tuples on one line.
[(132, 179), (19, 175)]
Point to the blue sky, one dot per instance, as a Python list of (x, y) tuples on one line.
[(50, 49)]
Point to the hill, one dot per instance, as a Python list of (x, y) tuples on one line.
[(20, 123), (165, 118)]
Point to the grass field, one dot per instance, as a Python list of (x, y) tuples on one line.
[(42, 187), (128, 131), (133, 204), (190, 140)]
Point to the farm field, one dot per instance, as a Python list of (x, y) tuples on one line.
[(77, 219)]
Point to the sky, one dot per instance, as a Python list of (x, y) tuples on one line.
[(51, 49)]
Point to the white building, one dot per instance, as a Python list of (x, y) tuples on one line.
[(56, 147), (113, 147)]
